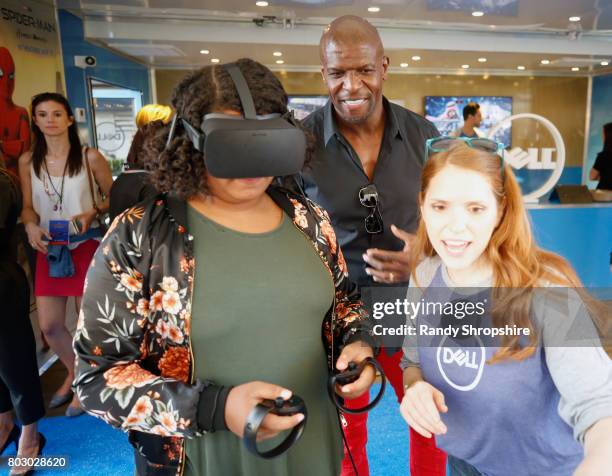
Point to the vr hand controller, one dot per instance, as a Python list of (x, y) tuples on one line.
[(278, 407), (351, 374)]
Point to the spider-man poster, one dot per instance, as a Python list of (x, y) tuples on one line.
[(14, 123), (30, 63)]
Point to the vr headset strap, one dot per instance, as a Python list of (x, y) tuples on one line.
[(172, 129), (243, 91)]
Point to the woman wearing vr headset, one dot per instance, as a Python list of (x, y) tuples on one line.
[(215, 296), (536, 403)]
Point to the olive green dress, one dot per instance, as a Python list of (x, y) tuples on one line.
[(258, 307)]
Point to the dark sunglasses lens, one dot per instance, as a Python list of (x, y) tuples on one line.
[(444, 143), (368, 196), (373, 223), (485, 144)]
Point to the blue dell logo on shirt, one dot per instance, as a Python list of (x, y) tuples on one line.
[(461, 367), (463, 358)]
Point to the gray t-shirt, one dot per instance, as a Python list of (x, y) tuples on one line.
[(517, 417)]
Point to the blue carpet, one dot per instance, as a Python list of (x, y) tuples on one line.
[(387, 437), (94, 448), (91, 446)]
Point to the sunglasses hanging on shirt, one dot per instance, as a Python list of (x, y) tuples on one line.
[(368, 197)]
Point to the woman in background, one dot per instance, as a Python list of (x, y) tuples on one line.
[(133, 186), (602, 169), (61, 181), (19, 383)]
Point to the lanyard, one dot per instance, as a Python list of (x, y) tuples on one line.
[(60, 194)]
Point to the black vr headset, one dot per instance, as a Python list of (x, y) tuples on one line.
[(253, 146)]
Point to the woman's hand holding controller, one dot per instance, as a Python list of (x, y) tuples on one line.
[(243, 398)]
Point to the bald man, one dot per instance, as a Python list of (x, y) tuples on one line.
[(366, 173)]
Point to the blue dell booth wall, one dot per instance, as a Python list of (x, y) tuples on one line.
[(110, 67), (582, 235)]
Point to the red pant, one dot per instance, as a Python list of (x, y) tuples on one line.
[(425, 458)]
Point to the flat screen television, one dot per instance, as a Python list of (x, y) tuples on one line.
[(304, 105), (446, 112)]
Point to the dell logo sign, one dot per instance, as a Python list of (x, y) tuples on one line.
[(110, 136), (547, 158), (532, 158)]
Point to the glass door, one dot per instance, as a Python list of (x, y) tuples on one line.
[(114, 112)]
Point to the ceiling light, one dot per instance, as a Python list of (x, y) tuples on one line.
[(482, 60), (215, 60), (604, 63), (277, 53), (574, 18), (545, 61), (416, 58), (521, 68), (262, 4), (280, 62), (204, 52), (575, 68), (373, 9), (477, 14), (465, 66), (403, 65)]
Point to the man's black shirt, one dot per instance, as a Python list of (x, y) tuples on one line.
[(603, 164), (335, 175)]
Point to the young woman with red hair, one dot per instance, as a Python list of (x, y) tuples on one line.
[(535, 399)]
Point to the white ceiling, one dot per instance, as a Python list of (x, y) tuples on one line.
[(511, 33)]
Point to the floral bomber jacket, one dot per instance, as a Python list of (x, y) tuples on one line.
[(134, 366)]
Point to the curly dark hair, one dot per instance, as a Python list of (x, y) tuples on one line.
[(136, 154), (179, 169)]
